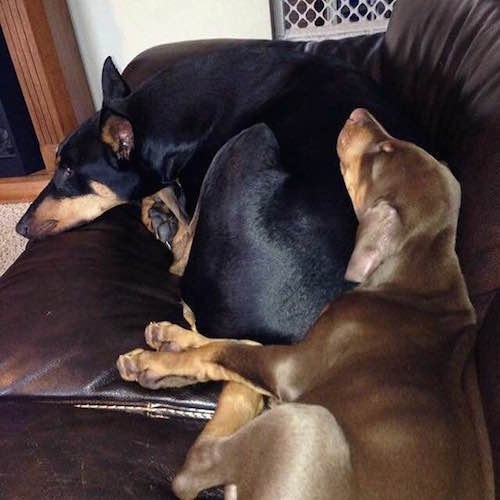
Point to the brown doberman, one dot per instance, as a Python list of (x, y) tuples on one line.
[(374, 405)]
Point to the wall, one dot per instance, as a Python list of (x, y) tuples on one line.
[(123, 28)]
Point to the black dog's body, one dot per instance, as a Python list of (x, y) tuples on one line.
[(250, 273), (250, 270)]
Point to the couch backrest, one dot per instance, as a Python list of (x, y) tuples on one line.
[(441, 58)]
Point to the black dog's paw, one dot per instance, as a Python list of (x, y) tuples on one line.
[(163, 223)]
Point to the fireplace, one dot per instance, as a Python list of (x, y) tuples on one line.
[(42, 48), (19, 149)]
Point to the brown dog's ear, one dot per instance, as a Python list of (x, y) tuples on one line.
[(117, 132), (376, 239)]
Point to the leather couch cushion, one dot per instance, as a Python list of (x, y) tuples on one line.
[(73, 302), (54, 451)]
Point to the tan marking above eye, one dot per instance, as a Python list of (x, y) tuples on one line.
[(102, 190)]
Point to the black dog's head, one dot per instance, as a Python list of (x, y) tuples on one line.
[(95, 168)]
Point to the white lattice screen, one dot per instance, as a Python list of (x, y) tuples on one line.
[(317, 19)]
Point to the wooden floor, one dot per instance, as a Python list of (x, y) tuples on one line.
[(22, 189)]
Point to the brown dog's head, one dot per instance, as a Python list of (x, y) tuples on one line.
[(400, 193)]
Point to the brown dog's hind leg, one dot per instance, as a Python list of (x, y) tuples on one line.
[(294, 451), (237, 405)]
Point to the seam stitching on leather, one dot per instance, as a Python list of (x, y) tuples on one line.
[(151, 411)]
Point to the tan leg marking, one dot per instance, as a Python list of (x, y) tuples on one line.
[(189, 316), (146, 205), (181, 245)]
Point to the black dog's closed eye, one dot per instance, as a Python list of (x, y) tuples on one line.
[(62, 175), (68, 172)]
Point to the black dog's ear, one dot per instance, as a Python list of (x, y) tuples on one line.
[(117, 133), (113, 85), (116, 130)]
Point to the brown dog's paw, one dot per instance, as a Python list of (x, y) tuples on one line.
[(168, 337), (151, 370), (199, 471), (127, 366), (165, 336)]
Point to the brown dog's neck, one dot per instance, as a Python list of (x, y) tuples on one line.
[(429, 277), (451, 303)]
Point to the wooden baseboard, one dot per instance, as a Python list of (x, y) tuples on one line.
[(23, 189)]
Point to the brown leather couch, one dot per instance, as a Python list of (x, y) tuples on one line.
[(70, 428)]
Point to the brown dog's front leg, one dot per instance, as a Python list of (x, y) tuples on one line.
[(160, 370), (269, 370)]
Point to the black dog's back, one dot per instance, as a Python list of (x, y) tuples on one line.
[(252, 270), (276, 225)]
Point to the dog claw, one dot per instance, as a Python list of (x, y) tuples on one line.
[(137, 366), (167, 337), (156, 335), (127, 365)]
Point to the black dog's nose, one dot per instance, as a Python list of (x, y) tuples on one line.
[(22, 227)]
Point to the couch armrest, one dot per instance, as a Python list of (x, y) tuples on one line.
[(363, 52), (442, 61)]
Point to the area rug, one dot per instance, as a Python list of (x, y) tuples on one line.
[(11, 244)]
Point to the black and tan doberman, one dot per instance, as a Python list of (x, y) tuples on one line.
[(167, 132), (373, 400)]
